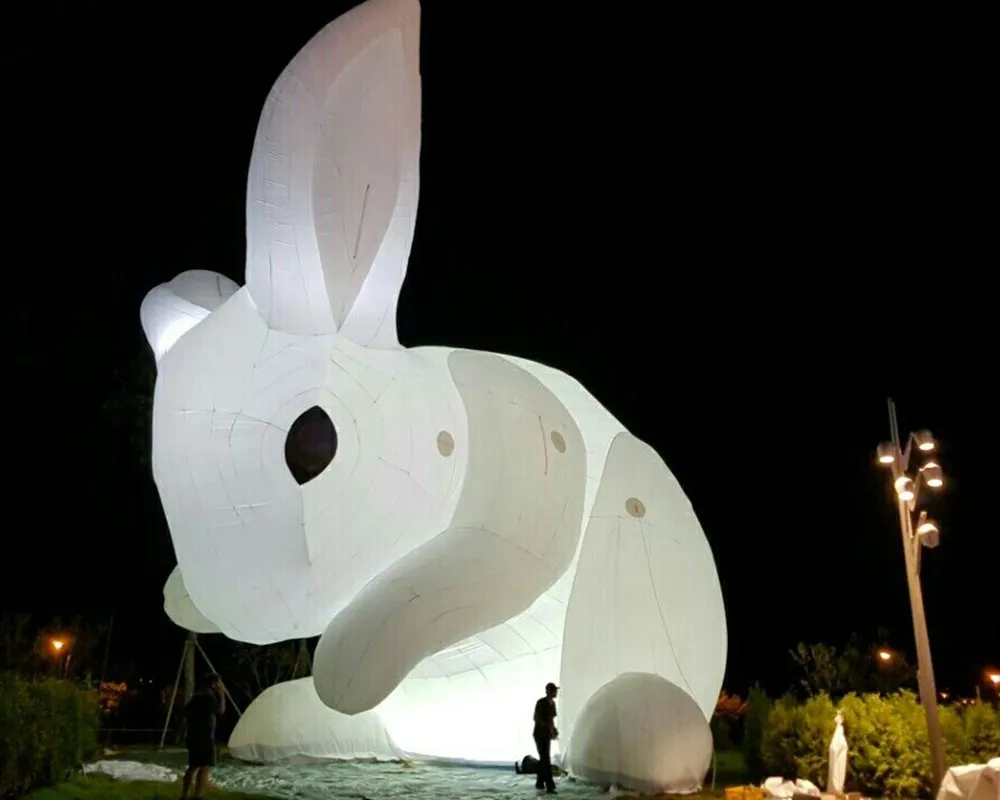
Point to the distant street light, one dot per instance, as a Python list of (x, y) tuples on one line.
[(60, 652), (917, 533), (885, 655)]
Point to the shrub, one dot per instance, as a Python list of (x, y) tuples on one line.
[(797, 736), (754, 723), (47, 728), (727, 721), (953, 730), (982, 733), (888, 754), (888, 751)]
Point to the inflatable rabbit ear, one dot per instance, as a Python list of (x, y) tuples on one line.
[(172, 309), (332, 192)]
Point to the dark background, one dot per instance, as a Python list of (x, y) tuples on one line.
[(740, 233)]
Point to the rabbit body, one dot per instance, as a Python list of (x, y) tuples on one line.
[(480, 524)]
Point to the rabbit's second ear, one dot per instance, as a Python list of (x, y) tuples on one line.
[(172, 309), (332, 192)]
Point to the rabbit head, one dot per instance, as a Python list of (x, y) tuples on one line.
[(284, 410)]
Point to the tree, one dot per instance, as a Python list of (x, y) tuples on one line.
[(727, 720), (822, 669), (16, 641), (30, 649), (260, 667), (130, 405), (754, 725)]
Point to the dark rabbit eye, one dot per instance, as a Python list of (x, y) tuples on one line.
[(310, 445)]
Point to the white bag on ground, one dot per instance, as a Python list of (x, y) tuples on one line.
[(780, 789)]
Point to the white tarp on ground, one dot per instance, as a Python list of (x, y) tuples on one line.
[(288, 721), (131, 771), (972, 782)]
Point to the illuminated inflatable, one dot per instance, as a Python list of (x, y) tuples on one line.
[(288, 722), (461, 527)]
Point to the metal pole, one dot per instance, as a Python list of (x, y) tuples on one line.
[(189, 672), (925, 667), (211, 667), (173, 697), (107, 649)]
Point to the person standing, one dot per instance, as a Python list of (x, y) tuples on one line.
[(545, 731), (200, 714)]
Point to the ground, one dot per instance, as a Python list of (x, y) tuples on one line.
[(97, 787), (369, 781)]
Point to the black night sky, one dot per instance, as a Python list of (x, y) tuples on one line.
[(740, 234)]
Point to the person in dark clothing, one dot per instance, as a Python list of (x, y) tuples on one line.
[(545, 731), (200, 713)]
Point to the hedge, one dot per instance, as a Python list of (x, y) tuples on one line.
[(48, 727), (888, 750)]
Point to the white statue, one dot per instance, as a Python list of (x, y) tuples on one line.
[(462, 527), (838, 758)]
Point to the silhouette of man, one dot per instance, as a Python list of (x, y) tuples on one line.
[(200, 713), (545, 731)]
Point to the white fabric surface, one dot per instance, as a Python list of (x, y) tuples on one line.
[(484, 525), (782, 789), (972, 782), (181, 609), (289, 722), (131, 771), (837, 771)]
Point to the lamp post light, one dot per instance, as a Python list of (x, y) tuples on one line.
[(993, 676), (60, 652), (918, 531)]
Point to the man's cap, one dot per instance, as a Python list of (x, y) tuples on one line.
[(549, 687)]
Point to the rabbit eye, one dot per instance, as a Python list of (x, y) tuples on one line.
[(310, 445)]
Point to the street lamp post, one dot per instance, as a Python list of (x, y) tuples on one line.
[(61, 653), (993, 676), (917, 533)]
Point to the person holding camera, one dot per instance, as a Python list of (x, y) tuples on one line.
[(208, 703)]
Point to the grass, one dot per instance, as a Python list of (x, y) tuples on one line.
[(99, 787)]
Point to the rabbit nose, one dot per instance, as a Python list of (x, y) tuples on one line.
[(310, 445)]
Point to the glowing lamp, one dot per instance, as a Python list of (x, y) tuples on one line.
[(884, 655), (886, 453), (924, 440), (994, 678), (933, 475), (58, 644), (929, 533), (904, 488)]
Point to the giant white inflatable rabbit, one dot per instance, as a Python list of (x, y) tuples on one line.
[(461, 527)]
